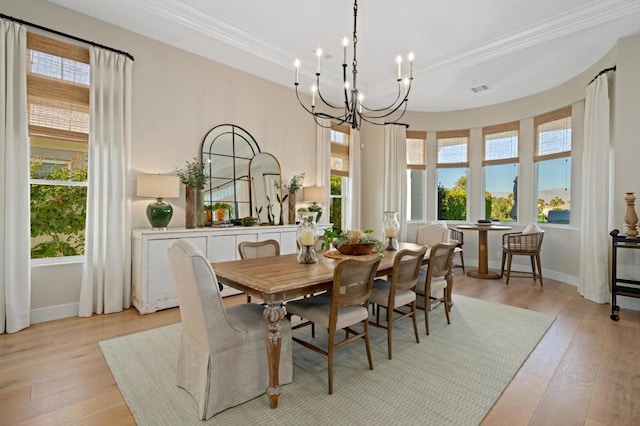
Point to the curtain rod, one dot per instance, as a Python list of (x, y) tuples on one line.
[(40, 27), (613, 68)]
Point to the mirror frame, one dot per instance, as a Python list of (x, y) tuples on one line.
[(266, 182), (213, 156)]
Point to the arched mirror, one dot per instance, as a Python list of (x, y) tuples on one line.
[(226, 152), (264, 173)]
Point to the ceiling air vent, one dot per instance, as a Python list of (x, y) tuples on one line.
[(481, 88)]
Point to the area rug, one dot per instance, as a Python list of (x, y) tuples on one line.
[(452, 377)]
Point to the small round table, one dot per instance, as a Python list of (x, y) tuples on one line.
[(483, 258)]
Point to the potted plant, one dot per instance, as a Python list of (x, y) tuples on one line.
[(221, 209), (192, 175), (292, 186)]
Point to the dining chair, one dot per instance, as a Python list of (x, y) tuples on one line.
[(522, 244), (252, 250), (398, 292), (458, 237), (437, 278), (432, 234), (346, 306), (218, 362)]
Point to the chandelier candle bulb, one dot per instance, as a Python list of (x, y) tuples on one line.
[(399, 61), (319, 54), (344, 50), (297, 65), (411, 64)]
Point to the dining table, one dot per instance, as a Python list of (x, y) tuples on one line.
[(483, 229), (276, 279)]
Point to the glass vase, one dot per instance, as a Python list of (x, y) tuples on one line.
[(307, 236), (391, 229)]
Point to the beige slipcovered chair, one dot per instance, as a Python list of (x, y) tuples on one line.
[(432, 234), (400, 291), (347, 305), (222, 359), (252, 250), (437, 278)]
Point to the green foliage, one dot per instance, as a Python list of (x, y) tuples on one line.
[(501, 207), (292, 186), (335, 210), (58, 213), (452, 203), (192, 174), (222, 205)]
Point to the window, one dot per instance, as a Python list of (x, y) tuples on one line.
[(416, 175), (339, 174), (552, 156), (451, 167), (500, 166), (58, 114)]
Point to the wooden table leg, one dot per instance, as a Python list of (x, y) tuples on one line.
[(483, 259), (273, 313)]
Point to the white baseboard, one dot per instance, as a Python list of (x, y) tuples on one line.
[(51, 313)]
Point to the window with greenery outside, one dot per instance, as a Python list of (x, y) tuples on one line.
[(58, 208)]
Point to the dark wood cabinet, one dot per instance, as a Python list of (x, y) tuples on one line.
[(621, 286)]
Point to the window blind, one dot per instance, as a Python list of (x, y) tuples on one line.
[(340, 150), (57, 89), (553, 135), (452, 148), (500, 144), (416, 150)]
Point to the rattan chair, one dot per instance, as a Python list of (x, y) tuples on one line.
[(458, 236), (252, 250), (519, 244), (438, 277), (399, 292), (347, 305)]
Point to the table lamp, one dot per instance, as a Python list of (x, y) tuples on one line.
[(159, 186), (315, 195)]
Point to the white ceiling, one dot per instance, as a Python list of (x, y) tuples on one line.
[(516, 47)]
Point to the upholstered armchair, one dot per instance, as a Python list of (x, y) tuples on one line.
[(222, 360)]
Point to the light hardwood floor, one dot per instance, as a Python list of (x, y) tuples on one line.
[(585, 371)]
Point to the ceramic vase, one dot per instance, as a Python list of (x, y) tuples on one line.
[(191, 207), (630, 216)]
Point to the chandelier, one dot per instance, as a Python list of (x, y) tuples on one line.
[(353, 111)]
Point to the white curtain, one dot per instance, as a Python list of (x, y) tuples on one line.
[(323, 162), (395, 173), (15, 238), (354, 201), (106, 276), (593, 282)]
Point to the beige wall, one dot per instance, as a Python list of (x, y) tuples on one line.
[(179, 96)]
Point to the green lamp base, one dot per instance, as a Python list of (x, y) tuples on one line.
[(159, 213), (315, 207)]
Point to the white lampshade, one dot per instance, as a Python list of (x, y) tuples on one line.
[(316, 194), (158, 186)]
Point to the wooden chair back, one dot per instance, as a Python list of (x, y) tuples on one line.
[(252, 250), (440, 260), (352, 282), (519, 243), (406, 267)]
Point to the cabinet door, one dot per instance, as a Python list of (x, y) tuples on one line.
[(161, 289), (222, 248), (288, 242)]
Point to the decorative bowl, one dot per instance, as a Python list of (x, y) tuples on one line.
[(358, 249), (249, 221)]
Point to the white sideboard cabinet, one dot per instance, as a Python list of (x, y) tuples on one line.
[(152, 280)]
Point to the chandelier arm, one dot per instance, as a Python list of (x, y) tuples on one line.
[(393, 104), (327, 103), (370, 119), (302, 104)]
